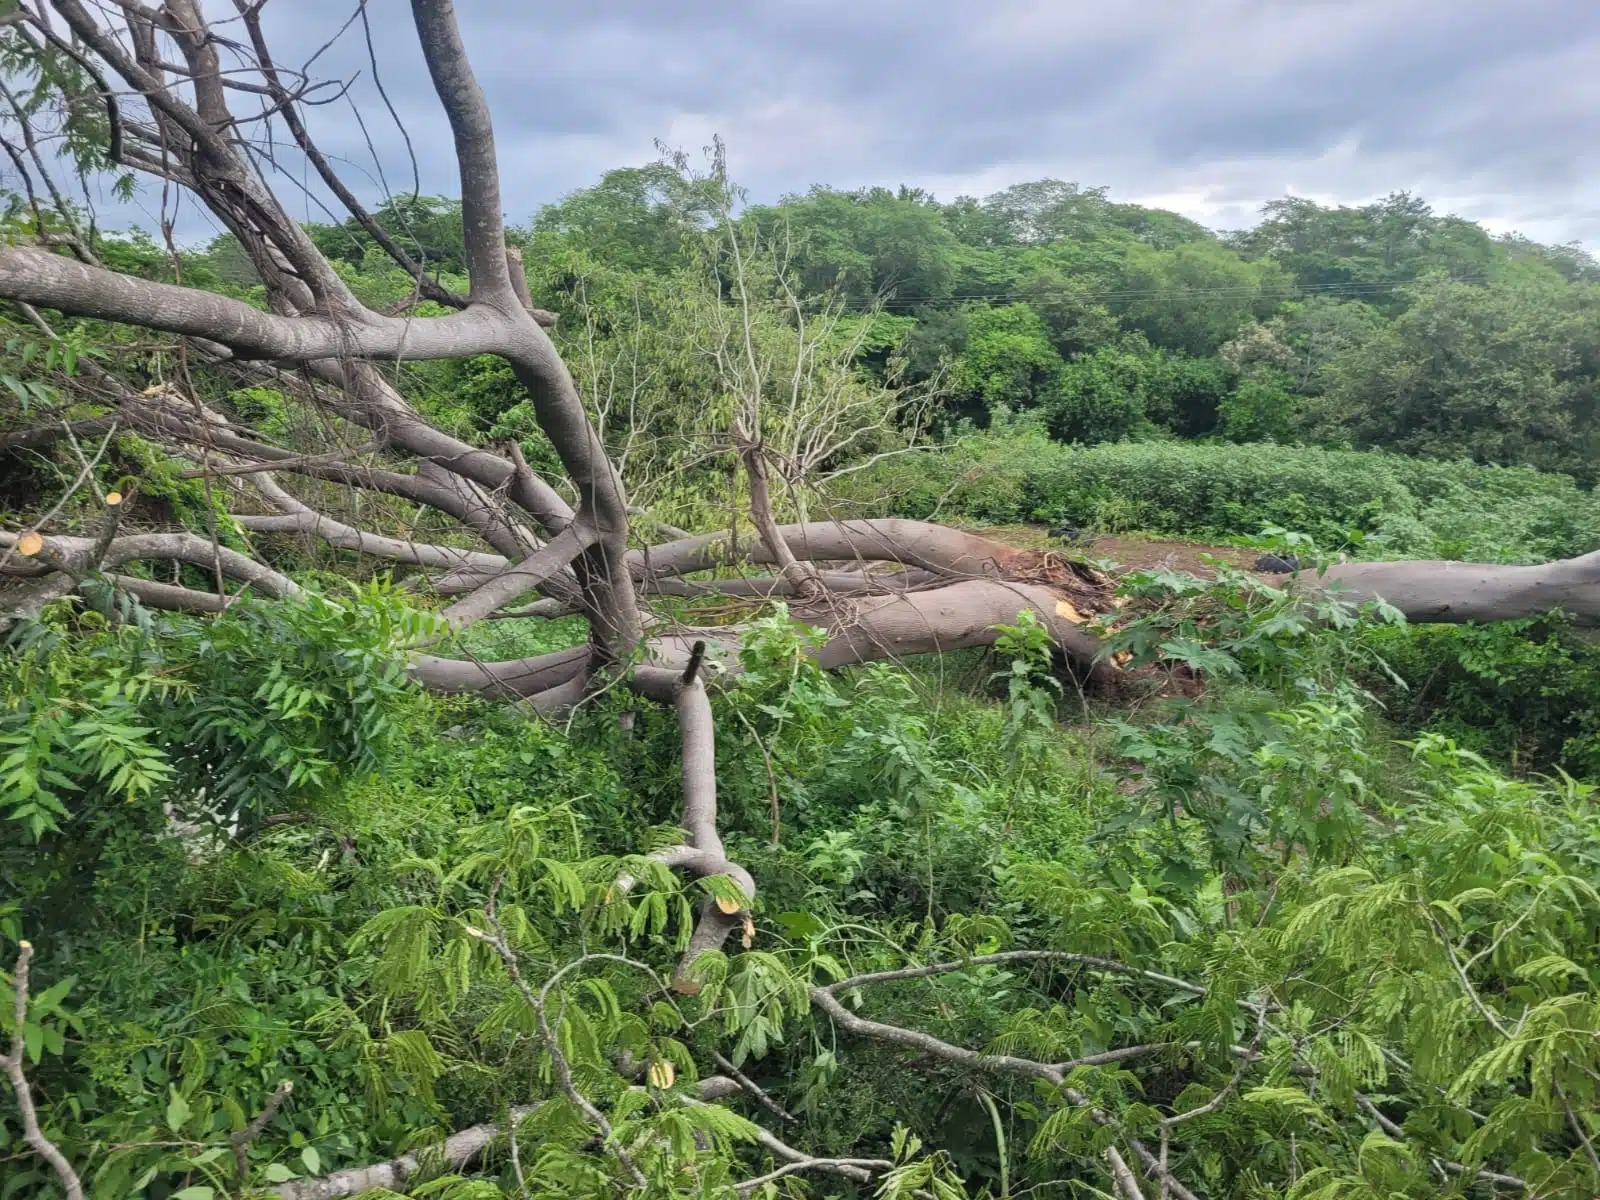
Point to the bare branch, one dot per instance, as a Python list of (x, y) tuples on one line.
[(1127, 1185), (935, 548), (504, 680), (1054, 1073), (75, 554), (926, 1043), (12, 1065), (752, 1088), (55, 281), (298, 517), (801, 576), (242, 1138), (526, 575), (170, 597), (429, 287), (473, 130), (859, 1169)]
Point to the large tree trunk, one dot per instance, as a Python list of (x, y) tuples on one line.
[(1435, 591)]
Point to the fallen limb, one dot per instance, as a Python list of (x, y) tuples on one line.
[(1441, 592), (703, 854), (526, 575), (801, 576), (456, 1151), (76, 555), (863, 629), (935, 548), (294, 516)]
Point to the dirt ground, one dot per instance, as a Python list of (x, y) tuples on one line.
[(1130, 552)]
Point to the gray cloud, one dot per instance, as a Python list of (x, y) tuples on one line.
[(1483, 108)]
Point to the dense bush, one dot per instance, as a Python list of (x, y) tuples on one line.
[(1524, 693), (1369, 502)]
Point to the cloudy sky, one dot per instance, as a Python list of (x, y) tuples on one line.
[(1486, 108)]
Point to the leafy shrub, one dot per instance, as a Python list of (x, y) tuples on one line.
[(109, 720), (1524, 692), (1405, 507)]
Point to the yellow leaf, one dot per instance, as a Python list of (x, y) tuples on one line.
[(29, 544), (662, 1073), (749, 933), (1064, 609)]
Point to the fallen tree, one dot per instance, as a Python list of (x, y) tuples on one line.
[(875, 589)]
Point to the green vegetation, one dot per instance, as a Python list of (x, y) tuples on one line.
[(1367, 503), (331, 942), (1303, 903)]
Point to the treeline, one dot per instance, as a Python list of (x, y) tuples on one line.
[(1385, 325), (1380, 326)]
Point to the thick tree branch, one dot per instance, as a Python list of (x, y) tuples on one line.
[(77, 554), (169, 597), (532, 571), (1458, 592), (473, 131), (956, 617), (870, 629), (703, 854), (915, 544), (801, 576), (501, 680), (769, 587), (55, 281)]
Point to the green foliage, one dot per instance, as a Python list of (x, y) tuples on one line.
[(250, 852), (104, 717), (1408, 507), (1522, 692), (1008, 360), (1222, 294), (1102, 398), (1373, 247), (867, 244), (428, 228), (1499, 374)]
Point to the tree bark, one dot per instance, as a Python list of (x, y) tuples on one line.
[(1442, 592), (801, 576)]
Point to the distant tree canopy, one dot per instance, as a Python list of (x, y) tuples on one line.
[(1378, 325)]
